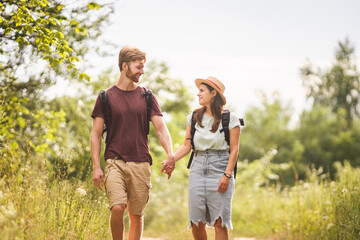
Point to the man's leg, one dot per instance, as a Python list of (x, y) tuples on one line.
[(221, 233), (139, 185), (136, 227), (199, 232), (117, 221)]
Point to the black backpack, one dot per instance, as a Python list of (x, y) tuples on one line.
[(107, 109), (225, 120)]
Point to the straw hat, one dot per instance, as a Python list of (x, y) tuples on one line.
[(213, 82)]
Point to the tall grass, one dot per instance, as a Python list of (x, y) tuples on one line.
[(316, 209), (35, 203)]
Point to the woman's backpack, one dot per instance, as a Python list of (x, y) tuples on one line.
[(225, 120)]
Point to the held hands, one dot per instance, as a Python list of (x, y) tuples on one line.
[(223, 184), (168, 165), (97, 176)]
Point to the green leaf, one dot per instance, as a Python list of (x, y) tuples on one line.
[(93, 5), (7, 31), (59, 35), (14, 145), (87, 77), (21, 121)]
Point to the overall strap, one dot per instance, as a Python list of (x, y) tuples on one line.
[(106, 107), (148, 98), (192, 133)]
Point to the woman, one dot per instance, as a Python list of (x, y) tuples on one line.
[(211, 180)]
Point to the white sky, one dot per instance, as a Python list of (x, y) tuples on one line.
[(248, 45)]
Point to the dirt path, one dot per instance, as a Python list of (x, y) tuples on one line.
[(242, 238)]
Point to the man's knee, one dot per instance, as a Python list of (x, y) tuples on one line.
[(118, 210), (136, 218)]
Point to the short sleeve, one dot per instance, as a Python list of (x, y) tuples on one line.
[(155, 108), (189, 118), (97, 111), (234, 121)]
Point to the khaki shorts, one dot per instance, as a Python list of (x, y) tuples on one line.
[(128, 183)]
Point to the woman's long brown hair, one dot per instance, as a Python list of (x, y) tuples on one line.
[(216, 110)]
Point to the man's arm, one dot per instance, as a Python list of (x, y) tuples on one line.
[(165, 140), (95, 139)]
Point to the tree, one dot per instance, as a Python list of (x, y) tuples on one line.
[(327, 138), (269, 128), (338, 87), (269, 137), (46, 28), (48, 36)]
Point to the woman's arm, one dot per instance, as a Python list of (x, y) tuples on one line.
[(185, 148), (234, 151)]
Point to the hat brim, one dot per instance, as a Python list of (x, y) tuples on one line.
[(199, 81)]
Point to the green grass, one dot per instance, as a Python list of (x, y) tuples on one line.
[(34, 204)]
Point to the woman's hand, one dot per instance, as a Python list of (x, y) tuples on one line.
[(223, 184)]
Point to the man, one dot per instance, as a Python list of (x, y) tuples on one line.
[(127, 155)]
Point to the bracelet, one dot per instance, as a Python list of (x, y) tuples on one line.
[(227, 175)]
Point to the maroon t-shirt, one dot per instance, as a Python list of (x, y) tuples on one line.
[(127, 138)]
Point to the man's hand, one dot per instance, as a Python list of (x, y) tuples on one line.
[(97, 176), (168, 165)]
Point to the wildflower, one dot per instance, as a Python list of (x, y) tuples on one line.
[(81, 191), (330, 225), (344, 191), (8, 211)]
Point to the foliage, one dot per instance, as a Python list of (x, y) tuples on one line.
[(17, 123), (338, 87), (31, 34), (46, 28), (326, 138), (268, 128), (320, 138), (34, 204)]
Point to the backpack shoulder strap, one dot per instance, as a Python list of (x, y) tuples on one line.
[(225, 120), (106, 107), (193, 129), (192, 133), (149, 101)]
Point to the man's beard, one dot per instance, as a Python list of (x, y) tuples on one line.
[(132, 76)]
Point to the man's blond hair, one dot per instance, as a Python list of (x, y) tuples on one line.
[(130, 54)]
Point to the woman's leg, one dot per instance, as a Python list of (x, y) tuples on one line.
[(221, 233), (199, 232)]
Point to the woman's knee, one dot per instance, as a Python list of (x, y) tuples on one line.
[(197, 226), (218, 224)]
